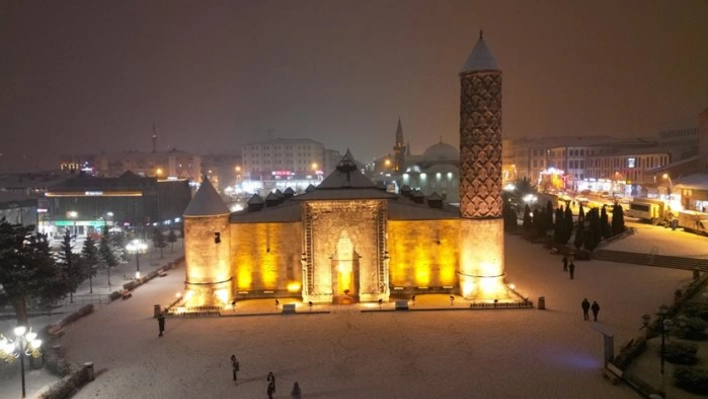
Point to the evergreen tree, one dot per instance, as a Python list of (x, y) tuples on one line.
[(89, 253), (69, 263), (27, 269), (105, 252), (559, 227), (605, 224), (579, 236), (593, 235), (568, 219), (158, 240), (117, 243), (617, 219), (528, 223), (172, 239), (581, 213), (549, 215)]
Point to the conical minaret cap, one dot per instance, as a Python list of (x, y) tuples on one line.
[(206, 202), (481, 58)]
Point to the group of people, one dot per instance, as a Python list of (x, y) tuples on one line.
[(587, 307), (569, 266), (295, 393)]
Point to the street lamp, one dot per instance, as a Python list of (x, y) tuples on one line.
[(136, 247), (664, 326), (671, 185), (73, 215), (26, 344)]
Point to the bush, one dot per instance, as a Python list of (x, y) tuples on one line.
[(696, 309), (691, 328), (680, 352), (692, 379), (630, 352)]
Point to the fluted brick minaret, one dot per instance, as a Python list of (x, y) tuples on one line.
[(481, 224)]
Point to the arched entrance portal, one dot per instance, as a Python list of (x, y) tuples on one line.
[(345, 271)]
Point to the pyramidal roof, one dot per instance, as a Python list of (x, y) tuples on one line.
[(399, 131), (346, 175), (481, 58), (206, 202)]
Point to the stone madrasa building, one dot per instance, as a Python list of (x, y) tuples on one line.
[(349, 241)]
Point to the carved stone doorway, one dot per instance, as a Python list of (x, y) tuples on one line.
[(345, 271)]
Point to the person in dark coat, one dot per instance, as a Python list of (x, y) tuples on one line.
[(595, 309), (271, 384), (586, 308), (565, 263), (571, 269), (234, 366), (296, 393), (161, 323)]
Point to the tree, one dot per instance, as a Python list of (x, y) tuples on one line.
[(105, 252), (568, 219), (172, 239), (559, 227), (117, 244), (27, 269), (69, 264), (549, 215), (605, 224), (528, 223), (593, 235), (158, 240), (90, 258), (581, 213), (579, 236), (618, 219)]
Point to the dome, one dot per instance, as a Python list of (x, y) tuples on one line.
[(441, 152)]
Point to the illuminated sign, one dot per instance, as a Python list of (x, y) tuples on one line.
[(282, 173), (93, 193), (631, 162)]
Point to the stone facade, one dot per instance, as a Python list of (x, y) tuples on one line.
[(208, 270)]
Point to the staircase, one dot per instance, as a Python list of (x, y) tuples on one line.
[(651, 259)]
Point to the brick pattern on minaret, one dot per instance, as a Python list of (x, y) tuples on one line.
[(480, 144)]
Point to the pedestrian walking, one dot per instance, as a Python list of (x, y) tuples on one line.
[(296, 393), (571, 269), (161, 323), (595, 309), (234, 366), (270, 390), (565, 263), (271, 384), (586, 308)]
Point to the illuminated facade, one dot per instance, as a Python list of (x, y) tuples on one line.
[(348, 240)]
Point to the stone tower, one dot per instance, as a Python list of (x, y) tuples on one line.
[(399, 150), (481, 222), (206, 249)]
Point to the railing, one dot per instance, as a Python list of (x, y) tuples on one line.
[(502, 305)]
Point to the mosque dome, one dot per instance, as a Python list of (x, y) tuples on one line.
[(441, 152)]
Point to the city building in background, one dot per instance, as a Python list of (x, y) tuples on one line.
[(77, 163), (174, 164), (85, 204), (22, 198), (223, 169)]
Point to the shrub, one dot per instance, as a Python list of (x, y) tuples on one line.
[(692, 379), (696, 309), (630, 352), (691, 328), (680, 352)]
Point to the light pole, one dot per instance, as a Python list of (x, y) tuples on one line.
[(25, 344), (73, 215), (670, 189), (136, 247)]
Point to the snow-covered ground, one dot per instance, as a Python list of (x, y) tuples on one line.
[(511, 354)]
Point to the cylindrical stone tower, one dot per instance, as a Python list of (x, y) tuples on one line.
[(481, 224), (207, 249)]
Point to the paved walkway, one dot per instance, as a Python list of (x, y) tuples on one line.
[(38, 380)]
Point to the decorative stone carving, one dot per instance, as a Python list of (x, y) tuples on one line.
[(480, 145)]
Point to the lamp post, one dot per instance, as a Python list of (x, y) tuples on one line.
[(136, 247), (670, 189), (25, 344), (73, 215)]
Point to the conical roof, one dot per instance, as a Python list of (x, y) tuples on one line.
[(206, 202), (481, 58), (346, 175)]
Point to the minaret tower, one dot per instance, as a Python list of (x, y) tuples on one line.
[(481, 224), (207, 240), (399, 150)]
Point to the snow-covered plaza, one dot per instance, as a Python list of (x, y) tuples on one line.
[(526, 353)]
